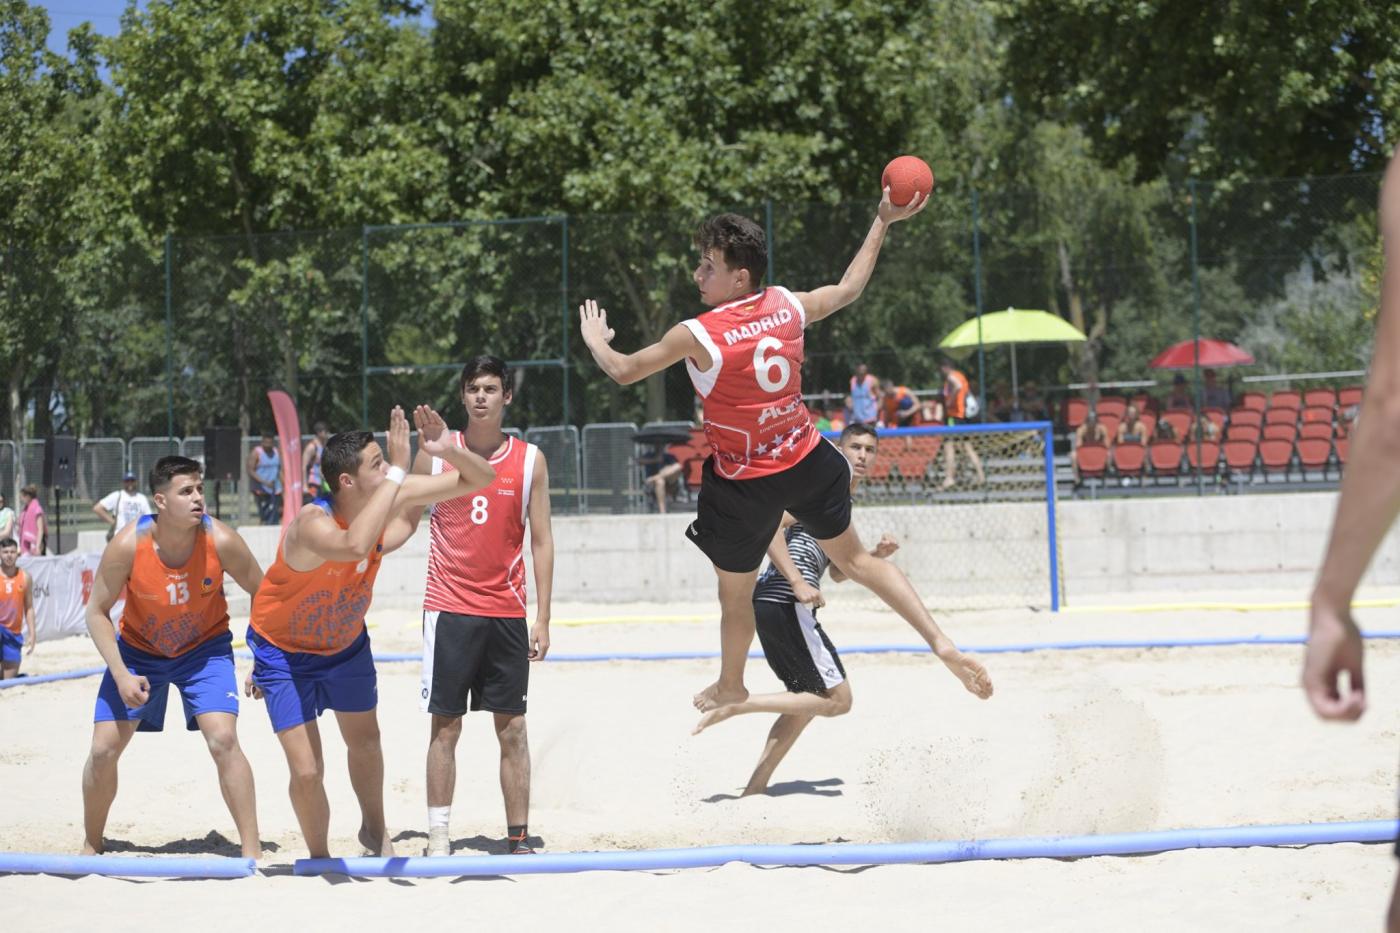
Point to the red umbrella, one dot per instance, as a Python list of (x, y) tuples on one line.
[(1214, 355)]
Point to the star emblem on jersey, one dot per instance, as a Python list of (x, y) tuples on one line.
[(762, 449)]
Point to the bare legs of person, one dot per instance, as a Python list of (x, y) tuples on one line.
[(736, 630), (889, 583), (950, 463), (9, 670), (1392, 920), (220, 730), (515, 768), (444, 733), (365, 759), (109, 740), (795, 711)]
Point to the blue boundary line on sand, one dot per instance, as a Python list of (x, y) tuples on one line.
[(702, 655), (1373, 831)]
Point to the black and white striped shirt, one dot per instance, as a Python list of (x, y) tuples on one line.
[(811, 561)]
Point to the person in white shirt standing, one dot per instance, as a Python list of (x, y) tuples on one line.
[(123, 506)]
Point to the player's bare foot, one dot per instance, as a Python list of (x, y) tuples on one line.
[(253, 851), (972, 674), (712, 697), (718, 714), (381, 846)]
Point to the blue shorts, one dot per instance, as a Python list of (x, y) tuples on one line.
[(11, 646), (204, 676), (299, 686)]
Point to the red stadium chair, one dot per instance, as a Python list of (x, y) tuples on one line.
[(1179, 420), (1284, 415), (1317, 414), (1275, 457), (1255, 401), (913, 467), (1242, 432), (879, 471), (1112, 406), (1144, 403), (1281, 432), (1092, 460), (1251, 416), (1149, 422), (1239, 457), (1343, 445), (1129, 460), (1110, 424), (1316, 429), (1326, 398), (694, 468), (1348, 396), (1076, 410), (1217, 415), (1286, 398), (1209, 457), (1165, 457), (1313, 455)]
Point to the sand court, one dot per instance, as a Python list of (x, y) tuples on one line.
[(1073, 742)]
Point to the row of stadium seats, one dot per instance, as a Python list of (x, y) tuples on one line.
[(1307, 405), (1239, 460)]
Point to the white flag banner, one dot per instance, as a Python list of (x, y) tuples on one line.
[(61, 588)]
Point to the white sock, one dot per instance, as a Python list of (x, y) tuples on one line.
[(438, 817)]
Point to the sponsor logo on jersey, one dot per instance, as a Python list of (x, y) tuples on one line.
[(778, 411), (754, 328)]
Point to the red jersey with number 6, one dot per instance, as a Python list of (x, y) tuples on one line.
[(754, 416), (476, 561)]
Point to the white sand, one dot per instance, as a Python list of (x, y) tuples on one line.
[(1073, 742)]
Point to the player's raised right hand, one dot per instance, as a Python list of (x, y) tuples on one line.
[(433, 436), (398, 439)]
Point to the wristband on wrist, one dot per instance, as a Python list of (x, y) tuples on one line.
[(395, 475)]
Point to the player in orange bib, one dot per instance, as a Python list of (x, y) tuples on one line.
[(745, 357), (16, 610), (174, 630), (477, 649), (311, 650)]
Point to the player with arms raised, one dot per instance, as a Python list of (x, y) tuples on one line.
[(744, 357)]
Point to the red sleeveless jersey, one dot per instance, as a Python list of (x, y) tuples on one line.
[(12, 590), (170, 610), (318, 611), (476, 561), (754, 416)]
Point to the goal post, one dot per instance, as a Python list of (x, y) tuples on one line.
[(974, 510)]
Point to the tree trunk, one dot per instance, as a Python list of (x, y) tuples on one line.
[(1088, 367)]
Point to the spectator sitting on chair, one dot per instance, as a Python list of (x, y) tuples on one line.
[(1001, 406), (1164, 431), (1215, 394), (659, 467), (1091, 432), (1203, 428), (7, 519), (121, 507), (1033, 407), (899, 406), (1180, 396), (1131, 429)]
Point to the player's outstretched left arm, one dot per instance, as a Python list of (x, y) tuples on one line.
[(627, 368), (827, 300), (237, 559), (542, 555)]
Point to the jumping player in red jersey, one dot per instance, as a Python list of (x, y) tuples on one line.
[(476, 649), (311, 650), (174, 630), (744, 358)]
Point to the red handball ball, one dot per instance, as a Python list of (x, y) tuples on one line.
[(907, 176)]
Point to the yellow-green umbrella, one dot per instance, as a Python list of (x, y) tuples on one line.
[(1012, 326)]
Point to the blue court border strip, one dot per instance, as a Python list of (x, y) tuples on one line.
[(1371, 831), (887, 853), (703, 655)]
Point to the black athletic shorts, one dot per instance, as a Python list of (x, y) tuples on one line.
[(796, 648), (474, 660), (736, 518)]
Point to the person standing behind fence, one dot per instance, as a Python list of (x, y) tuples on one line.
[(33, 524), (16, 609), (865, 396), (7, 519), (123, 506), (315, 486), (956, 392), (265, 479)]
